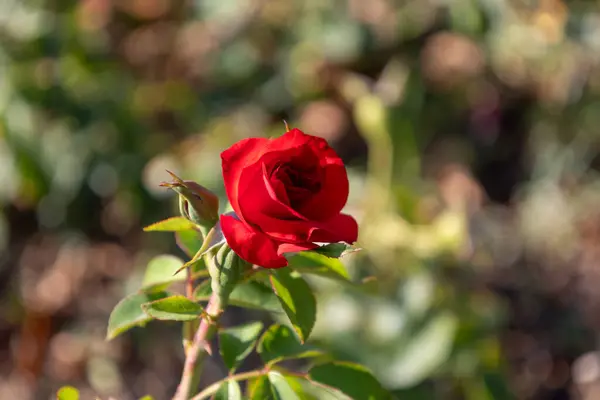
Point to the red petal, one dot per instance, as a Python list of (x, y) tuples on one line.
[(334, 193), (293, 248), (289, 140), (252, 246), (341, 228), (244, 153), (261, 207), (332, 197)]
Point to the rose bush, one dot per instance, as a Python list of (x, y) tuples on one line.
[(287, 194)]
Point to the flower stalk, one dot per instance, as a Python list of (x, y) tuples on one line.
[(198, 349)]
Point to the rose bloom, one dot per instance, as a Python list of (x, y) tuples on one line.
[(287, 194)]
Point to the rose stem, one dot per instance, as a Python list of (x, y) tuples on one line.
[(199, 348), (188, 326), (194, 360)]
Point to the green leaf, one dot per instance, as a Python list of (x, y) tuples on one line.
[(128, 313), (308, 390), (161, 272), (67, 393), (294, 383), (174, 224), (280, 343), (237, 342), (213, 239), (189, 241), (174, 308), (275, 386), (147, 397), (335, 250), (427, 350), (310, 262), (353, 380), (280, 387), (260, 389), (251, 294), (229, 390), (297, 300)]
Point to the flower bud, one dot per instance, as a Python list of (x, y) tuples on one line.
[(226, 271), (196, 203)]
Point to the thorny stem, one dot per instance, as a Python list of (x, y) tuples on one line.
[(189, 326), (194, 360), (197, 350)]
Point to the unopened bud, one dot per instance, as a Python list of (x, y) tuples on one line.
[(196, 203)]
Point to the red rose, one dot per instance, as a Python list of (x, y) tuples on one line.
[(287, 193)]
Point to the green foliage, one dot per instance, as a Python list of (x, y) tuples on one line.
[(280, 387), (162, 271), (250, 294), (214, 238), (128, 313), (229, 390), (189, 241), (335, 250), (426, 350), (260, 389), (311, 262), (67, 393), (272, 386), (173, 224), (236, 343), (280, 343), (297, 300), (173, 308), (354, 380)]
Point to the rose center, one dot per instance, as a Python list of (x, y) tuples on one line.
[(300, 183)]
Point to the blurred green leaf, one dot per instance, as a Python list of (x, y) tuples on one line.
[(310, 262), (427, 350), (295, 384), (161, 271), (229, 390), (128, 313), (354, 380), (174, 224), (280, 387), (189, 241), (237, 342), (250, 294), (147, 397), (314, 391), (335, 250), (297, 300), (280, 343), (260, 389), (174, 308), (67, 393)]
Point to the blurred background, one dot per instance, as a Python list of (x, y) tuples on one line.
[(470, 129)]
